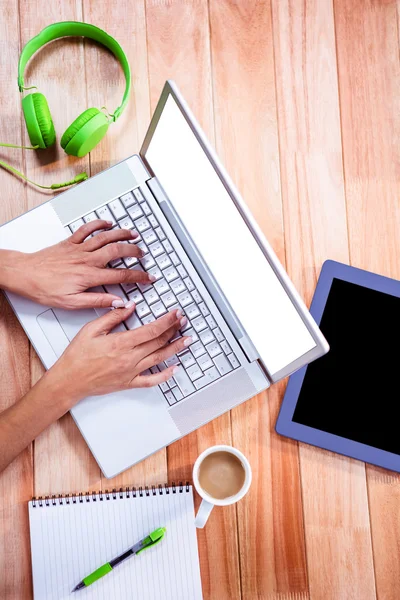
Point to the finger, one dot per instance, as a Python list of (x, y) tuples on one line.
[(96, 300), (156, 379), (155, 329), (109, 276), (88, 228), (107, 322), (107, 237), (163, 353), (159, 342), (112, 251)]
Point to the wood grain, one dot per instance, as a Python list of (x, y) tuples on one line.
[(179, 48), (369, 78)]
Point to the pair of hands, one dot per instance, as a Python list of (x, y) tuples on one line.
[(97, 361)]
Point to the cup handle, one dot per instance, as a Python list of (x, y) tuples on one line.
[(203, 514)]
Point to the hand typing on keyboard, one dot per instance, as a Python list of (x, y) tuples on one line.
[(60, 275)]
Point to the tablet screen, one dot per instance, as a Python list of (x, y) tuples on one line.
[(353, 391)]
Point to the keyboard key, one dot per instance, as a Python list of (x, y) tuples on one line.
[(199, 323), (146, 209), (196, 296), (211, 374), (211, 323), (114, 263), (130, 261), (174, 258), (160, 233), (177, 393), (191, 333), (225, 346), (148, 319), (151, 296), (189, 284), (170, 398), (218, 334), (181, 271), (141, 225), (164, 386), (149, 236), (158, 309), (177, 286), (163, 261), (143, 287), (161, 286), (201, 382), (156, 249), (155, 271), (222, 363), (161, 366), (168, 298), (207, 336), (204, 309), (197, 349), (115, 290), (142, 246), (192, 311), (234, 361), (194, 372), (170, 273), (153, 221), (76, 224), (126, 223), (127, 287), (172, 361), (185, 299), (135, 211), (136, 296), (187, 359), (127, 199), (138, 195), (213, 349), (204, 361), (117, 209), (142, 309), (90, 217), (154, 370), (104, 213), (133, 322), (168, 247), (183, 381), (147, 262)]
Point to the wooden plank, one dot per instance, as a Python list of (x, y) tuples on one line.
[(179, 48), (369, 78), (105, 86), (247, 141), (16, 482), (337, 528), (63, 462)]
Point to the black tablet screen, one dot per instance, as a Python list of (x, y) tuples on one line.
[(354, 390)]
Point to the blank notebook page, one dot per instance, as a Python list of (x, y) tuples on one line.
[(70, 540)]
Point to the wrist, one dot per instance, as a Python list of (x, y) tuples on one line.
[(11, 270), (57, 392)]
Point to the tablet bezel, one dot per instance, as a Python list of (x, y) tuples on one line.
[(328, 441)]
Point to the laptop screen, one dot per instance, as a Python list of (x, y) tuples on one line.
[(227, 245)]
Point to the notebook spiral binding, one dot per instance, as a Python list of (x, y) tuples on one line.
[(127, 492)]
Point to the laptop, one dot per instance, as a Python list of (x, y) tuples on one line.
[(250, 327)]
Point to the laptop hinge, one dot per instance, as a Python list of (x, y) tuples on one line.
[(204, 273)]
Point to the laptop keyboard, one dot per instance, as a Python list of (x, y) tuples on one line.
[(209, 357)]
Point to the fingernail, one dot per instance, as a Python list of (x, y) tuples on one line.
[(109, 223), (188, 341), (118, 304), (152, 278), (183, 321), (129, 304), (175, 370), (134, 234), (141, 253), (179, 313)]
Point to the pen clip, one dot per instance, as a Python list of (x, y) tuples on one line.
[(152, 539)]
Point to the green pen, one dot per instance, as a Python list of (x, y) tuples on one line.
[(148, 542)]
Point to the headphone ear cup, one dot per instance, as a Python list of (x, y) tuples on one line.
[(85, 132), (38, 120)]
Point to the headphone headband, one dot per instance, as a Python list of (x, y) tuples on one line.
[(76, 29)]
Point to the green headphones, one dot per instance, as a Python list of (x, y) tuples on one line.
[(92, 125)]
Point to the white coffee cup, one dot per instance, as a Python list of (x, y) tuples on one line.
[(208, 501)]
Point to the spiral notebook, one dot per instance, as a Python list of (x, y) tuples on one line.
[(71, 536)]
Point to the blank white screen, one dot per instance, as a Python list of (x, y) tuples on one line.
[(225, 242)]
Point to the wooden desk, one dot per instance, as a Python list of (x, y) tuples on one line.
[(302, 100)]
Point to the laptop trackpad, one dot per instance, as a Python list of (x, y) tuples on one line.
[(61, 326)]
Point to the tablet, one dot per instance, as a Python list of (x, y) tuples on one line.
[(348, 401)]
